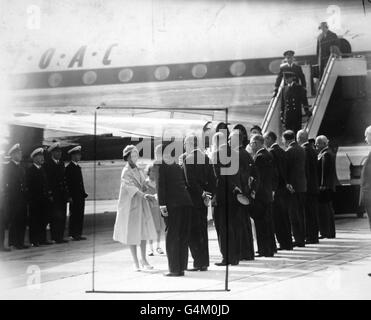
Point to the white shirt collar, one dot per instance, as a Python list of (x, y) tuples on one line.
[(260, 150), (274, 144), (56, 161), (75, 163), (291, 143)]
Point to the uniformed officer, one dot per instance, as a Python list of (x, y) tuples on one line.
[(294, 99), (55, 171), (290, 66), (15, 198), (75, 185), (39, 197)]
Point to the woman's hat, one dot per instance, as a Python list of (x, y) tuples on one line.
[(128, 149)]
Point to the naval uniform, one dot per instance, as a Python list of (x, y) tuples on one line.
[(294, 98), (55, 171), (294, 68), (38, 203), (75, 185), (15, 202)]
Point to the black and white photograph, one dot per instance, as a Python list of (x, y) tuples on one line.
[(191, 150)]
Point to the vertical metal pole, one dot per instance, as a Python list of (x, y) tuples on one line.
[(226, 217), (94, 195)]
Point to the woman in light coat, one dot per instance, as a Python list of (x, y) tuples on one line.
[(134, 223)]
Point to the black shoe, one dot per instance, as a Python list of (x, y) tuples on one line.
[(76, 239), (322, 237), (82, 238), (203, 268), (193, 269), (174, 274), (235, 263), (298, 244), (61, 241), (220, 264), (35, 244), (47, 243), (21, 247), (311, 241)]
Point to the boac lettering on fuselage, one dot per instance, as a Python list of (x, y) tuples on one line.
[(77, 59)]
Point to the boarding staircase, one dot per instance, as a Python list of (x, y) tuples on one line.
[(337, 66)]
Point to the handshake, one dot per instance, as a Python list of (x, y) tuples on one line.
[(150, 197)]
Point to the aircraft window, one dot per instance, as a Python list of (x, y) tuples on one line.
[(55, 79), (274, 66), (237, 68), (125, 75), (89, 77), (162, 73), (199, 70)]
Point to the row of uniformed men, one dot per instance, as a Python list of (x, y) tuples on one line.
[(38, 196)]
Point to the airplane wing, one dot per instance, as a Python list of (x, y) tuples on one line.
[(117, 125)]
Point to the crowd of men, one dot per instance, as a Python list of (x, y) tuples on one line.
[(286, 191), (37, 197)]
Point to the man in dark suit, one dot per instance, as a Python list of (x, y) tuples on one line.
[(262, 206), (200, 181), (327, 185), (15, 198), (176, 206), (55, 171), (39, 197), (225, 205), (75, 185), (249, 179), (280, 208), (311, 196), (290, 66), (294, 101), (297, 186), (326, 42)]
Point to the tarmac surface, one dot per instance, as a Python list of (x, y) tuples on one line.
[(334, 269)]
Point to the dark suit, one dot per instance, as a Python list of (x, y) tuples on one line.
[(296, 176), (38, 201), (280, 207), (75, 185), (262, 207), (4, 222), (294, 98), (57, 183), (324, 44), (311, 199), (172, 193), (226, 213), (249, 179), (199, 177), (327, 182), (365, 193), (295, 68), (15, 202)]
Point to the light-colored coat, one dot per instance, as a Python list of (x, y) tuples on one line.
[(134, 220)]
